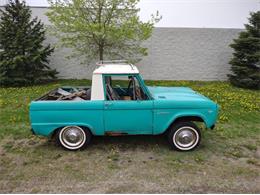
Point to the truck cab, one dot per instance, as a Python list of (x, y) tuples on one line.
[(119, 103)]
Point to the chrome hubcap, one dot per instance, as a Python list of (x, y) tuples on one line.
[(73, 136), (185, 137)]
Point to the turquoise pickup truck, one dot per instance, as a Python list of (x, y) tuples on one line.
[(119, 103)]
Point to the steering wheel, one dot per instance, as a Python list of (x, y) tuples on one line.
[(137, 94), (124, 91)]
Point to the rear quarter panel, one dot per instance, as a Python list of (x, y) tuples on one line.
[(46, 116)]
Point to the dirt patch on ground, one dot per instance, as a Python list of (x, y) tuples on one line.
[(142, 164)]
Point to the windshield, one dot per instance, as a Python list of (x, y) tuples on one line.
[(145, 87)]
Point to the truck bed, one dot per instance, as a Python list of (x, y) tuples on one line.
[(67, 94)]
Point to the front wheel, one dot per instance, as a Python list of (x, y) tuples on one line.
[(73, 137), (184, 136)]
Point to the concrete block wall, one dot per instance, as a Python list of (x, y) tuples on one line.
[(188, 54), (174, 54)]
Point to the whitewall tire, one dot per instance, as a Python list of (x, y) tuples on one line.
[(184, 136), (73, 137)]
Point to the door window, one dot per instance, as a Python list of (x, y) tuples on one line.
[(124, 87)]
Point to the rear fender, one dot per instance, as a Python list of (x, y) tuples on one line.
[(49, 129)]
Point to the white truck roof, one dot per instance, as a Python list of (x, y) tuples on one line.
[(116, 69)]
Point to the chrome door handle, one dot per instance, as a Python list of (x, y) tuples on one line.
[(108, 103)]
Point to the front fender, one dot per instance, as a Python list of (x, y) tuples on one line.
[(164, 118)]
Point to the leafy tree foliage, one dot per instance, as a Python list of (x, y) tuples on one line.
[(23, 57), (99, 29), (246, 58)]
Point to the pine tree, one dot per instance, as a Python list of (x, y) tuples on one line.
[(245, 63), (23, 56)]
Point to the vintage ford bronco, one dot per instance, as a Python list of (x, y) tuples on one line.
[(119, 103)]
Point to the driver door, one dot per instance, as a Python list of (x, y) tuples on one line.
[(127, 115)]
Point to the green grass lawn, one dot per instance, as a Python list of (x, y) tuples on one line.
[(226, 161)]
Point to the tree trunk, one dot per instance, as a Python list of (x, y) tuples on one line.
[(101, 52)]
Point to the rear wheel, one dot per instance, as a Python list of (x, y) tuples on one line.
[(73, 137), (184, 136)]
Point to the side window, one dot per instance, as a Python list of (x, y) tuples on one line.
[(124, 87)]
